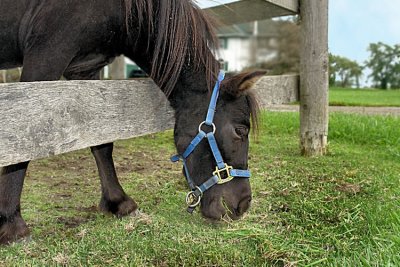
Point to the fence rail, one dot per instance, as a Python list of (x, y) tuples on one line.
[(42, 119), (251, 10)]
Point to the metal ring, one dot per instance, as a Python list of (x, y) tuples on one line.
[(201, 192), (192, 205), (212, 124)]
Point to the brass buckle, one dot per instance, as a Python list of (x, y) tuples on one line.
[(192, 200), (226, 171)]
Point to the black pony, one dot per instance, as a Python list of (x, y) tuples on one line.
[(173, 41)]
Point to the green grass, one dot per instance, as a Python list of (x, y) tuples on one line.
[(364, 97), (339, 210)]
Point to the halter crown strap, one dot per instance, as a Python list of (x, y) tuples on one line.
[(214, 98)]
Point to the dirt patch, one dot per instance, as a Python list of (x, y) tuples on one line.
[(72, 222), (349, 188), (92, 208)]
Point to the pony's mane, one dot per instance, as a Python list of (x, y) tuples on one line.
[(254, 106), (179, 33)]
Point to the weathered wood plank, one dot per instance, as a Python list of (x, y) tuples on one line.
[(252, 10), (41, 119), (280, 89), (117, 69), (291, 5), (314, 77), (47, 118)]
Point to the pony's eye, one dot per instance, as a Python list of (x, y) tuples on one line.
[(242, 131)]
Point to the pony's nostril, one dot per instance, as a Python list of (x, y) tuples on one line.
[(243, 205)]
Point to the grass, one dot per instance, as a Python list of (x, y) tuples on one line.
[(364, 97), (339, 210)]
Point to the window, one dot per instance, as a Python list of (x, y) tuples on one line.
[(223, 64), (223, 43)]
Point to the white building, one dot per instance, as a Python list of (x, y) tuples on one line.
[(241, 46), (245, 45)]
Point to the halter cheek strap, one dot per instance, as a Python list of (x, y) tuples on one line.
[(223, 172)]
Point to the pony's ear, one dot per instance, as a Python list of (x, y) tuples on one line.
[(249, 79), (238, 84)]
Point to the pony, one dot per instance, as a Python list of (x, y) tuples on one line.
[(171, 40)]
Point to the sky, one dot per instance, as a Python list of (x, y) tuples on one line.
[(354, 24)]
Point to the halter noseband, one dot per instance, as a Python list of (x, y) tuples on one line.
[(223, 172)]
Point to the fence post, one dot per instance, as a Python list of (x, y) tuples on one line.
[(4, 75), (116, 69), (314, 77)]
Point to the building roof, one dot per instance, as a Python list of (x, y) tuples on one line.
[(265, 28)]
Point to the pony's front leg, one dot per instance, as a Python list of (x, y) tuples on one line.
[(12, 226), (113, 199)]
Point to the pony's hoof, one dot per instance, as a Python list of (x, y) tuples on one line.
[(14, 230), (119, 208)]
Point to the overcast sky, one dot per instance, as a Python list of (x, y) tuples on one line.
[(353, 24)]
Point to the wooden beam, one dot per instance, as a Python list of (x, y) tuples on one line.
[(280, 89), (42, 119), (47, 118), (4, 76), (117, 69), (252, 10), (314, 77)]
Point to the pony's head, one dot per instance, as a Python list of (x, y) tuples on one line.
[(176, 45), (236, 112)]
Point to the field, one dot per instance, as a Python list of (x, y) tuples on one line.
[(364, 97), (339, 210)]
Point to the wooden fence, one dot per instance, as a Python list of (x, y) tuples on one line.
[(42, 119)]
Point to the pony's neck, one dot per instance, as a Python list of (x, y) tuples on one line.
[(192, 86), (191, 83), (167, 39)]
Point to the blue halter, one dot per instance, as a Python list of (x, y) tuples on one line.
[(223, 172)]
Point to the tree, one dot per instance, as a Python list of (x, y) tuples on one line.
[(344, 72), (384, 62), (288, 47)]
